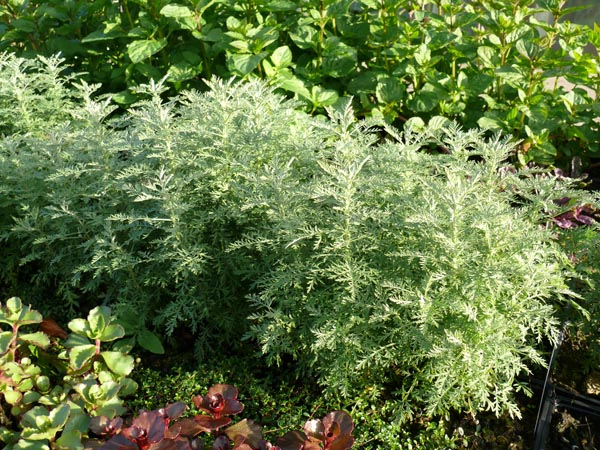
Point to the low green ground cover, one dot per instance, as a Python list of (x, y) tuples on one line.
[(409, 275)]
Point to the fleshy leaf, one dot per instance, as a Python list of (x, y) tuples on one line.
[(112, 332), (98, 319), (39, 339), (250, 431), (120, 363), (150, 341), (208, 423), (5, 339), (79, 326), (81, 355)]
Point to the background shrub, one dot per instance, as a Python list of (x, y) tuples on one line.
[(494, 64)]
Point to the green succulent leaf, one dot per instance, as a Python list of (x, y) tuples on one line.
[(174, 10), (40, 339), (112, 332), (98, 318), (118, 362), (24, 444), (81, 355), (80, 327), (12, 397), (69, 440), (5, 340)]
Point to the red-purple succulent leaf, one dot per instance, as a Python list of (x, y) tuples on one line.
[(221, 400), (250, 431), (314, 429), (119, 442), (338, 430), (172, 410), (343, 442), (222, 442), (292, 440), (342, 419), (185, 427), (196, 444), (264, 445), (209, 423), (103, 426), (240, 443), (171, 444), (146, 428)]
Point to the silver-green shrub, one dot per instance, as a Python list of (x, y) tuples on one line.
[(138, 211), (425, 278), (380, 265)]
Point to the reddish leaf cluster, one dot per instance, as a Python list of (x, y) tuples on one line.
[(158, 430), (576, 216)]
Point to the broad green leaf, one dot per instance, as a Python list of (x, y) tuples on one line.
[(488, 56), (81, 355), (31, 397), (243, 64), (509, 74), (305, 37), (438, 122), (140, 50), (182, 71), (74, 340), (69, 440), (25, 444), (174, 10), (339, 59), (426, 99), (293, 84), (79, 326), (128, 387), (39, 339), (150, 341), (414, 125), (102, 35), (118, 362), (527, 48), (112, 332), (12, 397), (490, 123), (543, 153), (24, 25), (98, 318), (422, 55), (59, 415), (389, 90), (5, 340), (323, 97), (282, 57)]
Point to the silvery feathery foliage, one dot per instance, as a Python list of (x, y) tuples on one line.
[(377, 264), (417, 276)]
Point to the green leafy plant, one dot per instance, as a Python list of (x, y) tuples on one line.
[(48, 392), (500, 64)]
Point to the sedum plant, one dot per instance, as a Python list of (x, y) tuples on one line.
[(48, 393), (161, 429)]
